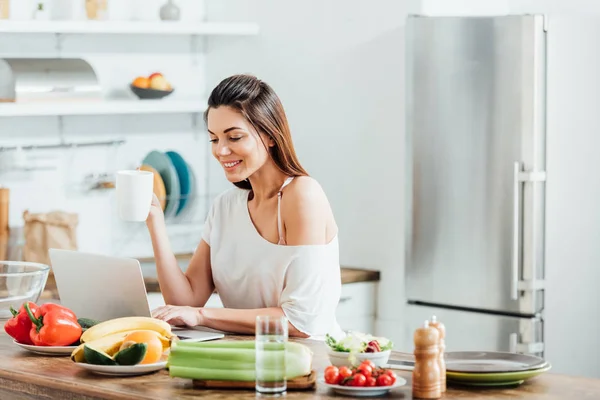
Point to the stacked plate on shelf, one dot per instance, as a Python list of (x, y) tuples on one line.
[(174, 182), (482, 368)]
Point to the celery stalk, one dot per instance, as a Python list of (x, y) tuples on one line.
[(187, 360), (195, 360), (240, 355)]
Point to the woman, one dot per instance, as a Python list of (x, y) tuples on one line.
[(269, 245)]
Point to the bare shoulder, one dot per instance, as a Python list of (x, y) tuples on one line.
[(304, 189), (306, 213)]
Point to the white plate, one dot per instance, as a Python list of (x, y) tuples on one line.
[(47, 350), (364, 391), (123, 370)]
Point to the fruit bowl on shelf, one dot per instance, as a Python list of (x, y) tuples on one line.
[(155, 86), (149, 94)]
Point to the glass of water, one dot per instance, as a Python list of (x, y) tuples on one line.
[(271, 339)]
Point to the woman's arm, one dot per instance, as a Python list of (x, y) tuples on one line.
[(223, 319), (241, 321), (193, 287), (306, 213)]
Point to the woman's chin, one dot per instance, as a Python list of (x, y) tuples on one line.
[(234, 178)]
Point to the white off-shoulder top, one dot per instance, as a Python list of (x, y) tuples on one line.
[(250, 272)]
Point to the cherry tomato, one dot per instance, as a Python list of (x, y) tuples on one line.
[(359, 380), (392, 375), (384, 380), (345, 372), (371, 381), (365, 369), (369, 363), (332, 375)]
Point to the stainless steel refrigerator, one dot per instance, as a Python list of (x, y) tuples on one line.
[(484, 95)]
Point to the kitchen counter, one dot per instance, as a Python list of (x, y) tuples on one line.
[(349, 275), (24, 375)]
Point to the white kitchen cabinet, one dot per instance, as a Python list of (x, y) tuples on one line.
[(365, 324), (357, 307)]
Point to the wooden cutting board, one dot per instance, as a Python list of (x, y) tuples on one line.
[(302, 383)]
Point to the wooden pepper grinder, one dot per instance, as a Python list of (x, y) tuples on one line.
[(426, 374), (442, 346)]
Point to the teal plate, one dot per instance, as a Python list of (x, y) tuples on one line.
[(492, 378), (185, 181), (162, 163)]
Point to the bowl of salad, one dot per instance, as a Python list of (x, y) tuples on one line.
[(356, 347)]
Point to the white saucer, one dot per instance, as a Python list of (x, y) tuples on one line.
[(364, 391), (123, 370), (47, 350)]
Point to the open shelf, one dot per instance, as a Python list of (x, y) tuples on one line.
[(107, 107), (129, 27)]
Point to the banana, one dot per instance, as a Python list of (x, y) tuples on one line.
[(126, 324), (109, 344)]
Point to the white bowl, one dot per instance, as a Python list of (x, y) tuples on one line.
[(340, 358)]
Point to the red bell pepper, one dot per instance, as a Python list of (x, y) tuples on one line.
[(19, 326), (53, 325)]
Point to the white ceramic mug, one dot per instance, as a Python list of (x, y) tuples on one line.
[(134, 194)]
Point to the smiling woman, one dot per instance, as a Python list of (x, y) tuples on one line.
[(270, 244)]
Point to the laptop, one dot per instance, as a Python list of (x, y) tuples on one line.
[(102, 288)]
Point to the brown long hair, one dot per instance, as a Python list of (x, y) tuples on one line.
[(258, 103)]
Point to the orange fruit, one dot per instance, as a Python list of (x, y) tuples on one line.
[(155, 348), (141, 82)]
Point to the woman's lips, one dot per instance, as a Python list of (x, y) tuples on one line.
[(231, 165)]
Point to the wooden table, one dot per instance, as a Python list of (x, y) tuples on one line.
[(25, 375)]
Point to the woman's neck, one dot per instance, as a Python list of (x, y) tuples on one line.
[(266, 182)]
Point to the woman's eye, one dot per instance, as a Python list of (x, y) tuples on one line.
[(235, 139), (213, 140)]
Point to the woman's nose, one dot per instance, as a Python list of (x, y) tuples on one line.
[(223, 150)]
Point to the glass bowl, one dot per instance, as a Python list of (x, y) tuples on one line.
[(20, 282)]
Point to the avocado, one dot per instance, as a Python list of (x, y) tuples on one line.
[(86, 323), (132, 355), (97, 357)]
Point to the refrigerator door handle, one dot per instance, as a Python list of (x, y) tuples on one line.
[(525, 348), (516, 247), (516, 284)]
